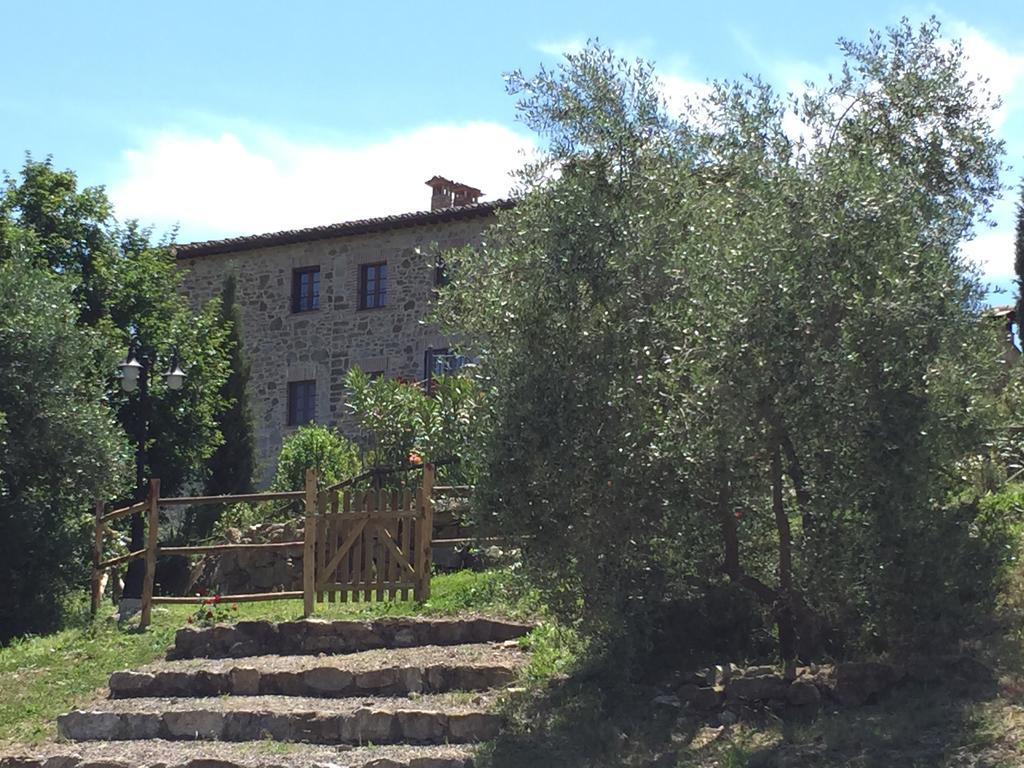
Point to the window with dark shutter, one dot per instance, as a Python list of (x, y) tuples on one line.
[(305, 289), (440, 273), (373, 285), (301, 402), (437, 362)]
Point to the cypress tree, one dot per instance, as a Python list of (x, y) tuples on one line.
[(232, 466), (1018, 261)]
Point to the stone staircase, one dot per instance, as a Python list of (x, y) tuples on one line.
[(387, 693)]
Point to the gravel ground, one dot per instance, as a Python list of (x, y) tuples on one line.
[(170, 754), (478, 655), (454, 703)]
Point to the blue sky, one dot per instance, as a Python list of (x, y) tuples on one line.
[(231, 118)]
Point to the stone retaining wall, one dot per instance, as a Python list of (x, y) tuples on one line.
[(728, 691), (261, 638)]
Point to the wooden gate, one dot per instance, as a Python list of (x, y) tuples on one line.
[(370, 545)]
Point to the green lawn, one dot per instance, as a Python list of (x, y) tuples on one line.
[(42, 677)]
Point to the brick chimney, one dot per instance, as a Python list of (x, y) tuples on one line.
[(451, 194)]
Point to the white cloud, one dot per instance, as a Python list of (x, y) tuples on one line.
[(558, 48), (1002, 68), (249, 181), (992, 252), (679, 91)]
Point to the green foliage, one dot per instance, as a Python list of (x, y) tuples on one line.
[(718, 353), (405, 424), (60, 447), (124, 286), (242, 516), (233, 464), (213, 611), (1018, 259), (554, 651), (313, 446)]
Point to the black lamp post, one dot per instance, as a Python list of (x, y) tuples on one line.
[(135, 375)]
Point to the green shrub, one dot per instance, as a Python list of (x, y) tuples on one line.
[(406, 425), (60, 447), (315, 447), (716, 356)]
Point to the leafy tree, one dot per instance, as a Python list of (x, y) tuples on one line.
[(1018, 258), (317, 447), (126, 288), (726, 362), (401, 421), (232, 466), (60, 446)]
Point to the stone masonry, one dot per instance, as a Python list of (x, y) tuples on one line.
[(322, 344)]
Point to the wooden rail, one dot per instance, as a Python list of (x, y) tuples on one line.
[(253, 598), (119, 513), (122, 559), (216, 549), (381, 541), (194, 501)]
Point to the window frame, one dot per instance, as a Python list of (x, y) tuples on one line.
[(380, 293), (308, 400), (430, 356), (441, 276), (313, 300)]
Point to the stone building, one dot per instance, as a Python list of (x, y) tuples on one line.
[(317, 301)]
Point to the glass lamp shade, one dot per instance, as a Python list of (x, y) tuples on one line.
[(130, 375), (175, 378)]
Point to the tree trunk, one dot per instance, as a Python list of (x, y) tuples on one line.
[(798, 478), (784, 603), (731, 545)]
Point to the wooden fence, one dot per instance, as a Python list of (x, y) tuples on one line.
[(373, 543), (356, 544)]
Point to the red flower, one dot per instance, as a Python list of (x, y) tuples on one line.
[(738, 514), (415, 458), (216, 598)]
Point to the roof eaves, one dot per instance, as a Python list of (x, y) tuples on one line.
[(342, 229)]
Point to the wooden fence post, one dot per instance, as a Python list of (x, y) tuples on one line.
[(152, 531), (97, 558), (424, 533), (309, 544)]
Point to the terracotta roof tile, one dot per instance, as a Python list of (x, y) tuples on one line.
[(346, 228)]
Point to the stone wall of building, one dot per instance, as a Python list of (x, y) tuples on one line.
[(322, 344)]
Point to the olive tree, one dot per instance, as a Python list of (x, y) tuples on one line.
[(60, 447), (732, 355)]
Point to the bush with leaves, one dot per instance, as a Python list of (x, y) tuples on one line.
[(313, 446), (719, 352), (60, 447), (401, 420), (123, 285)]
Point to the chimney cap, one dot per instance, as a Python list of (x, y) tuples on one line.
[(436, 182)]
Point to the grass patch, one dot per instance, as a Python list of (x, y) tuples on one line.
[(586, 722), (42, 677)]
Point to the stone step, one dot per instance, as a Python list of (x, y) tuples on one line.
[(157, 753), (431, 719), (382, 672), (262, 638)]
